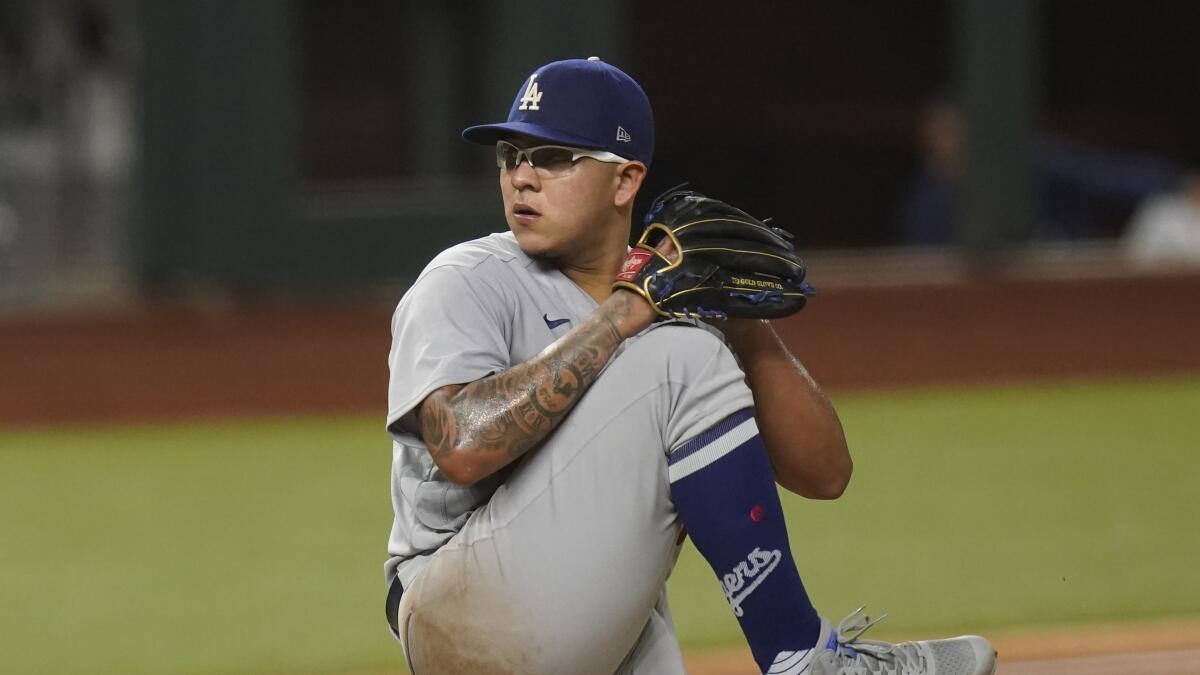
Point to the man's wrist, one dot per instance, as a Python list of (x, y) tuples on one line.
[(629, 312), (748, 336)]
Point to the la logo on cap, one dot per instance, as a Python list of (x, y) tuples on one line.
[(532, 96)]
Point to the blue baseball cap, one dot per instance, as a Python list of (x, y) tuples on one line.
[(585, 103)]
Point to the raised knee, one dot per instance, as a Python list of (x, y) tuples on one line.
[(703, 380), (676, 351)]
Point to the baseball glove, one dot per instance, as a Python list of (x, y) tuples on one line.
[(729, 264)]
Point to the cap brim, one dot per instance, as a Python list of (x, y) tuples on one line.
[(488, 134)]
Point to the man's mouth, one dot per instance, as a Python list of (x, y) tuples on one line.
[(524, 212)]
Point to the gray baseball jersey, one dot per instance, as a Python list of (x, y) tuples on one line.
[(482, 307)]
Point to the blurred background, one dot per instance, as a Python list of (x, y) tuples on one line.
[(209, 208), (165, 148)]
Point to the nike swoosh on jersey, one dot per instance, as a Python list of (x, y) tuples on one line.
[(554, 323)]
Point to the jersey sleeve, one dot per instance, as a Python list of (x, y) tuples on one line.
[(451, 327)]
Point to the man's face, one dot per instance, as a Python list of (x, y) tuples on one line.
[(559, 214), (942, 135)]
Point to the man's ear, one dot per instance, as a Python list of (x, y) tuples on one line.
[(629, 180)]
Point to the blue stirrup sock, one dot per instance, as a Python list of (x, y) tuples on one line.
[(724, 491)]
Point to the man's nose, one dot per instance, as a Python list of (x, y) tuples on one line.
[(524, 176)]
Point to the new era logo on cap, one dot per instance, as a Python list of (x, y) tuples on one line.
[(578, 102)]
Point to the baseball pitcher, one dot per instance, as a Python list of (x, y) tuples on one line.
[(561, 416)]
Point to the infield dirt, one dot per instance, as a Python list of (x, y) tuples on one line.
[(1160, 648)]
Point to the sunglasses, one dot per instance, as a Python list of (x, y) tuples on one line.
[(548, 160)]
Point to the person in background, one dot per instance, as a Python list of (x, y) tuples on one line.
[(1165, 230), (1081, 191)]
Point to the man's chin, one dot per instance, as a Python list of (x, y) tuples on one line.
[(533, 245)]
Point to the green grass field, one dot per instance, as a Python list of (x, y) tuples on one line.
[(256, 547)]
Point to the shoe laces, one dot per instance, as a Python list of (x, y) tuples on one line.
[(858, 656)]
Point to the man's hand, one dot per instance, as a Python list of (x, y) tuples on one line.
[(632, 308)]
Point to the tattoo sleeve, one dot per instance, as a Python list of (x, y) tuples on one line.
[(500, 417)]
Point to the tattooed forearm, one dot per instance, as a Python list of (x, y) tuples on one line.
[(436, 429), (502, 416)]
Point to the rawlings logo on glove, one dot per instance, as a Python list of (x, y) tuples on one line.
[(634, 262), (728, 263)]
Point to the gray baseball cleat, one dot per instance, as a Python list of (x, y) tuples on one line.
[(847, 653)]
